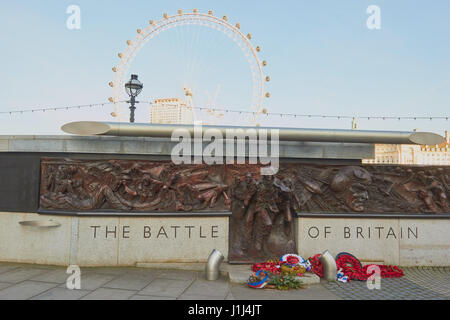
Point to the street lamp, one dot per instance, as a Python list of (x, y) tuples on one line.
[(133, 88)]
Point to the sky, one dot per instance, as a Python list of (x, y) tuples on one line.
[(322, 59)]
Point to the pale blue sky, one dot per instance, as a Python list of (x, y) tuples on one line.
[(322, 60)]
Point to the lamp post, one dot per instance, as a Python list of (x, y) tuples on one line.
[(133, 88)]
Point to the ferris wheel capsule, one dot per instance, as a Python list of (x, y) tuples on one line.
[(249, 36), (120, 55), (238, 25), (267, 79), (264, 111), (113, 114), (195, 11), (139, 31), (128, 42), (258, 48), (111, 84), (151, 22), (110, 99), (264, 63), (180, 11), (225, 18), (165, 16), (267, 95), (210, 12), (114, 69)]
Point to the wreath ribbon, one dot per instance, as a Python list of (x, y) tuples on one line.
[(259, 284)]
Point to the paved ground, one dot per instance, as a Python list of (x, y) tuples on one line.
[(20, 281), (424, 283)]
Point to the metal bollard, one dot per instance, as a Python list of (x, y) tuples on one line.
[(213, 265), (329, 266)]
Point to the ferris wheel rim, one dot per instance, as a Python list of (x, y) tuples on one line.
[(180, 19)]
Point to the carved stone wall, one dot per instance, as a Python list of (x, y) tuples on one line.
[(262, 207)]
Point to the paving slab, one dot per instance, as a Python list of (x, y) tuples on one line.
[(140, 297), (56, 276), (21, 274), (197, 297), (61, 294), (131, 281), (92, 281), (166, 287), (7, 267), (238, 273), (192, 266), (391, 289), (178, 275), (4, 285), (109, 294), (435, 279), (25, 290), (217, 289), (189, 266), (230, 296), (112, 271), (144, 271)]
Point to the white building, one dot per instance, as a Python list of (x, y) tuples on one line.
[(413, 154), (171, 111)]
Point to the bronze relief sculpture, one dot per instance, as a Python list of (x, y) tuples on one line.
[(263, 207), (123, 185)]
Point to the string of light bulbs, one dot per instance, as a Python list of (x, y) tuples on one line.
[(56, 108), (265, 113), (225, 110), (331, 116)]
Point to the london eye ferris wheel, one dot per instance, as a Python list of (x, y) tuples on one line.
[(196, 19)]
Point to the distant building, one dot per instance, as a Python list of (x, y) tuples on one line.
[(171, 111), (413, 154)]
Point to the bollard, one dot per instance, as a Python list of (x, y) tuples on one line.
[(213, 265), (329, 266)]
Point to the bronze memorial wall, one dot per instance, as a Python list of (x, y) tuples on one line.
[(263, 207)]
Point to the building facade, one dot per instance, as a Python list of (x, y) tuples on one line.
[(171, 111), (412, 154)]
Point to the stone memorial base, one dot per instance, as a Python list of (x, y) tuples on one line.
[(412, 241), (111, 241), (130, 241)]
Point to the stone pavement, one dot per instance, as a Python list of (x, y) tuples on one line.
[(38, 282), (421, 283)]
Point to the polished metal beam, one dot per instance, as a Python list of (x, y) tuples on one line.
[(285, 134)]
